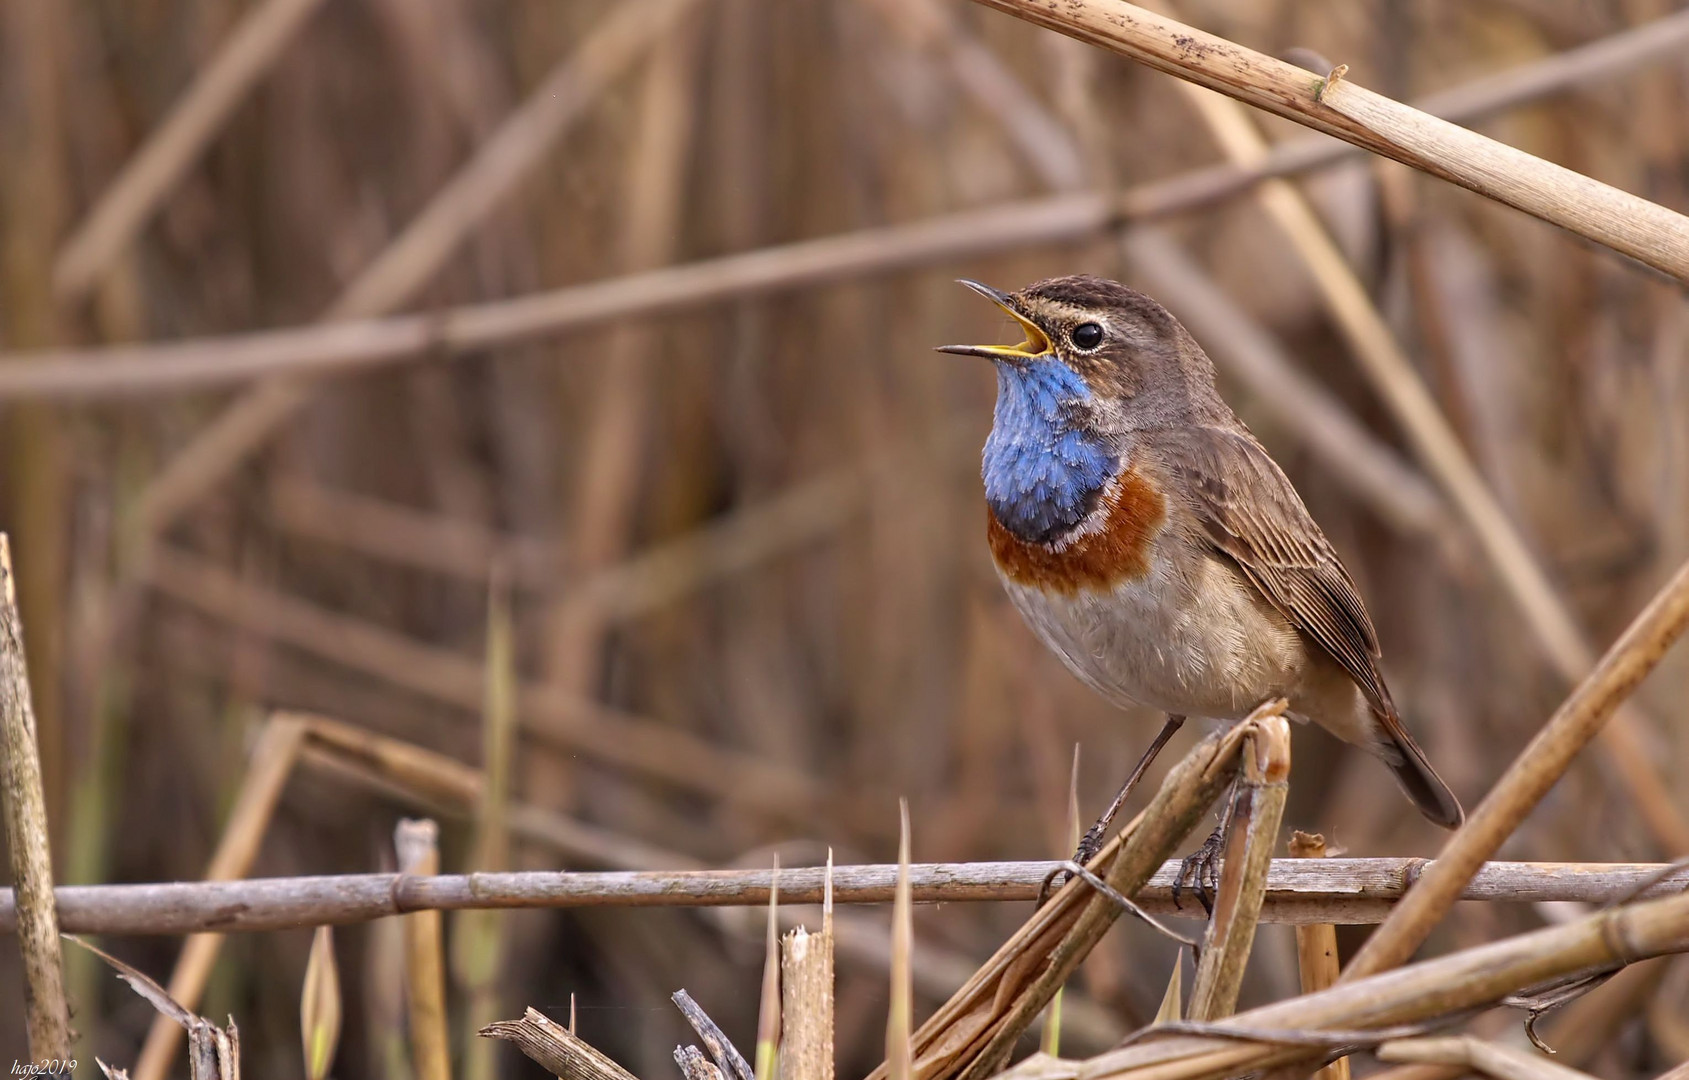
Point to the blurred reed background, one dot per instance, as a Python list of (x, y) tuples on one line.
[(756, 524)]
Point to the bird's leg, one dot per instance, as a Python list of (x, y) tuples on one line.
[(1201, 868), (1092, 841)]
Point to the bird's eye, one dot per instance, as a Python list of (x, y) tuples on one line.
[(1087, 335)]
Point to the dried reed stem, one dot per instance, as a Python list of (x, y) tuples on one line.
[(1528, 779), (1252, 835), (46, 1012), (354, 346), (971, 1034), (273, 756), (726, 1056), (1316, 948), (1470, 1053), (147, 178), (806, 989), (417, 843), (1626, 223), (1450, 984), (555, 1048), (1344, 891)]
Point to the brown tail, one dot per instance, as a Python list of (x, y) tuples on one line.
[(1415, 774)]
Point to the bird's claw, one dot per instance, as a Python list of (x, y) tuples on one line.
[(1089, 845), (1201, 869)]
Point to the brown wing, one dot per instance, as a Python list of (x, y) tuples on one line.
[(1253, 515)]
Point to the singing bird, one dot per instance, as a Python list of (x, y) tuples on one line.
[(1150, 541)]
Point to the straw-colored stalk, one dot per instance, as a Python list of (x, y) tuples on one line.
[(271, 763), (46, 1013), (1337, 106), (417, 842), (900, 1024), (1251, 835), (1316, 948), (1468, 1053), (806, 995)]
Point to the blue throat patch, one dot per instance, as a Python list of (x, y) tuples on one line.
[(1042, 475)]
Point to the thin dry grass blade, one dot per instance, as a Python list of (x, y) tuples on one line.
[(320, 1006), (1050, 1043), (477, 936), (1169, 1012), (900, 1022), (768, 1007)]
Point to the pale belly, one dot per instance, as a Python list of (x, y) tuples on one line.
[(1196, 641)]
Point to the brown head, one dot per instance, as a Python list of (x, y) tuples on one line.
[(1140, 366)]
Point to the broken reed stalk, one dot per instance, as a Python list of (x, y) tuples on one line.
[(417, 844), (971, 1035), (1316, 948), (806, 998), (213, 1052), (46, 1012), (1342, 891), (726, 1056), (557, 1050), (1537, 768), (695, 1066), (1633, 226), (271, 763), (1468, 979), (115, 371), (1251, 835)]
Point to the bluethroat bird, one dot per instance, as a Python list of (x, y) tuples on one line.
[(1150, 541)]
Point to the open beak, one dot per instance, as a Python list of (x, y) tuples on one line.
[(1036, 344)]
